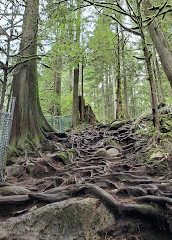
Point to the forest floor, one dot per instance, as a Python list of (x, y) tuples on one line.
[(128, 167)]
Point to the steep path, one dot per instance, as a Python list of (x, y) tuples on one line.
[(103, 164)]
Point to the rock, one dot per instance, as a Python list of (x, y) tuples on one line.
[(14, 170), (113, 152), (68, 220), (3, 235), (117, 124), (102, 153), (13, 190)]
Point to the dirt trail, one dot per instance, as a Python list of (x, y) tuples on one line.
[(103, 165)]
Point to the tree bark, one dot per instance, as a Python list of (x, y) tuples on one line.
[(76, 97), (82, 93), (103, 101), (124, 76), (114, 91), (147, 55), (28, 122), (119, 111), (162, 98), (76, 70), (57, 86), (160, 42)]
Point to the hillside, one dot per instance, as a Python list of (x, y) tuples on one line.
[(122, 172)]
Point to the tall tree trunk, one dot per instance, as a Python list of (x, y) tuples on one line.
[(160, 42), (103, 101), (71, 80), (147, 55), (4, 86), (114, 91), (82, 93), (57, 87), (156, 80), (76, 70), (76, 97), (133, 105), (124, 76), (8, 49), (28, 122), (119, 112), (107, 102), (162, 98)]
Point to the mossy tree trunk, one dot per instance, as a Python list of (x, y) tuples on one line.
[(29, 124)]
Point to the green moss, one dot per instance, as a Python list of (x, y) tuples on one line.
[(64, 156), (117, 124), (115, 144), (12, 152)]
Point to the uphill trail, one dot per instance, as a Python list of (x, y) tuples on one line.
[(102, 163)]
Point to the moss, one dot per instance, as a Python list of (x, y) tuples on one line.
[(115, 144), (117, 124), (13, 190), (143, 157), (64, 156), (12, 152)]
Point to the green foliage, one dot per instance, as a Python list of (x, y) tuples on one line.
[(97, 50)]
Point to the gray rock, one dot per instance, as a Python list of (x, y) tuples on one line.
[(102, 153), (113, 152), (14, 170), (67, 220)]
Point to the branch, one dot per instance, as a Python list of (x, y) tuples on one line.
[(123, 12), (124, 27), (156, 15), (139, 58), (19, 63), (2, 65)]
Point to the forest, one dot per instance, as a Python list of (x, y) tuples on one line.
[(103, 68)]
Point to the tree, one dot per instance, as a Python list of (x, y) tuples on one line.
[(158, 37), (76, 70), (124, 75), (119, 112), (10, 15), (134, 12), (29, 124)]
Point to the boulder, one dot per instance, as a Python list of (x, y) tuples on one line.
[(71, 219), (13, 190)]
